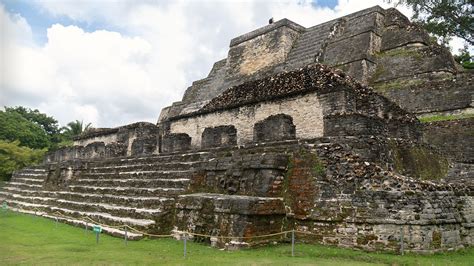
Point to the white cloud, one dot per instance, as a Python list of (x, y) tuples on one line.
[(111, 78)]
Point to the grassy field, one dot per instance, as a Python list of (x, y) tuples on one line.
[(27, 239)]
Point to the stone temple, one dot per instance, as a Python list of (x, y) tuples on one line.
[(310, 129)]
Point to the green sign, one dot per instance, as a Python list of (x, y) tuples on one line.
[(4, 206), (97, 229)]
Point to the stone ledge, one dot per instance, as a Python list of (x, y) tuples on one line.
[(236, 204), (281, 23)]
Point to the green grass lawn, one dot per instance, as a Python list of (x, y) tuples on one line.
[(26, 239)]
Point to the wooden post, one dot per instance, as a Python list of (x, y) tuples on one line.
[(126, 235), (293, 243), (185, 248), (401, 240)]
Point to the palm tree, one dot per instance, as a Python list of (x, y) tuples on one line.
[(75, 128)]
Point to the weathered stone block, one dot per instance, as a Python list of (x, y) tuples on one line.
[(175, 142), (275, 127), (220, 136)]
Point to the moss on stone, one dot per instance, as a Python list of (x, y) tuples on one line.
[(435, 118), (418, 161), (397, 84), (318, 167), (436, 240), (402, 52), (379, 71)]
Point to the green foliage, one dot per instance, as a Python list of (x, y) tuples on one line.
[(14, 157), (419, 162), (465, 58), (318, 166), (444, 18), (65, 143), (13, 126), (435, 118), (75, 128), (38, 241), (47, 123), (37, 130)]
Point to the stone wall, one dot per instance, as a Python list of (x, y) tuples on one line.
[(333, 204), (305, 110), (175, 142), (420, 95), (263, 50), (221, 136), (316, 99), (340, 189), (130, 140), (454, 137)]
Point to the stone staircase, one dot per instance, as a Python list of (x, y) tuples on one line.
[(307, 46), (139, 192), (153, 194)]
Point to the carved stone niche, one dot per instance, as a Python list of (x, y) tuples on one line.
[(94, 150), (220, 136), (144, 145), (274, 128), (175, 142)]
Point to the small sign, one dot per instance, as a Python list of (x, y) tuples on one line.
[(4, 206), (97, 229)]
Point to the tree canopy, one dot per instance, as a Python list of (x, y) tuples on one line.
[(13, 126), (75, 128), (444, 18), (26, 134), (14, 157), (48, 123)]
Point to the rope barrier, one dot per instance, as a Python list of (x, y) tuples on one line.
[(122, 227), (235, 237)]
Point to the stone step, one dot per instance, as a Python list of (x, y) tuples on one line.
[(38, 169), (130, 191), (93, 217), (224, 203), (144, 167), (115, 210), (24, 186), (305, 51), (154, 212), (140, 175), (182, 157), (155, 182), (302, 60), (25, 180), (29, 199), (303, 55), (308, 39), (30, 175), (131, 201), (306, 47), (28, 192), (79, 223)]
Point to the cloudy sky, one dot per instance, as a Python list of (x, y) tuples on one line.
[(114, 62)]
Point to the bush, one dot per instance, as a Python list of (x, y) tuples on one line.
[(14, 157)]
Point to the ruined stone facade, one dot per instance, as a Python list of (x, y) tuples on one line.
[(309, 129)]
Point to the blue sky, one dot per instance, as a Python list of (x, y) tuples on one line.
[(40, 19)]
